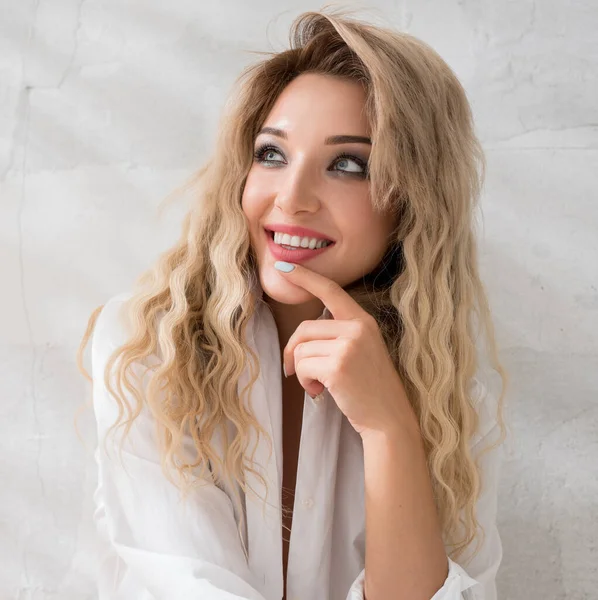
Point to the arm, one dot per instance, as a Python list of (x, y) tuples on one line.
[(173, 550), (403, 555)]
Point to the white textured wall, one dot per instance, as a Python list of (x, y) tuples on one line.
[(107, 105)]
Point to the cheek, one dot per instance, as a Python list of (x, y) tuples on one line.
[(364, 234), (253, 197), (357, 221)]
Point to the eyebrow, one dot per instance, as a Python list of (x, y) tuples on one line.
[(333, 139)]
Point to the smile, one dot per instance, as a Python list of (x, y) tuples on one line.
[(295, 256)]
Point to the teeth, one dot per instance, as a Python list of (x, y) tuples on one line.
[(298, 242)]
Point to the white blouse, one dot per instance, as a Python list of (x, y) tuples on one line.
[(158, 548)]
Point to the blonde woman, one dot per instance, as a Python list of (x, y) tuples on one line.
[(289, 404)]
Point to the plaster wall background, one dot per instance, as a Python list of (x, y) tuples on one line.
[(108, 105)]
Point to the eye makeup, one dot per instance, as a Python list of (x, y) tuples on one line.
[(263, 149)]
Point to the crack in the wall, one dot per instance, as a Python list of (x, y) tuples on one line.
[(24, 107), (26, 308), (20, 139), (75, 45), (16, 140), (23, 100), (503, 142)]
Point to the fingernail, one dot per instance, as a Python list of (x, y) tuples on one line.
[(284, 370), (283, 266)]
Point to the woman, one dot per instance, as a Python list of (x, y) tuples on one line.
[(358, 366)]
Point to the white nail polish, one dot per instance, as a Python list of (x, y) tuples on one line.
[(284, 370)]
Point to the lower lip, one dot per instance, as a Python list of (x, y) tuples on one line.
[(293, 256)]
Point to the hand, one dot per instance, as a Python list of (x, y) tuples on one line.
[(348, 356)]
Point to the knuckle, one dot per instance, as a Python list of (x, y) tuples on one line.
[(361, 327), (346, 349)]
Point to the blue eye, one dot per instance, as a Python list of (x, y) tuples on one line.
[(264, 150), (344, 157), (261, 152)]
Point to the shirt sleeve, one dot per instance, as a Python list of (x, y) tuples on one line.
[(478, 582), (172, 550)]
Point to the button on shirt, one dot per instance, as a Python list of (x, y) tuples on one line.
[(155, 547)]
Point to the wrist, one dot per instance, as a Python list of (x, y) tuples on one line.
[(402, 423), (404, 430)]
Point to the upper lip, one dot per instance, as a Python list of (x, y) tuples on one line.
[(300, 231)]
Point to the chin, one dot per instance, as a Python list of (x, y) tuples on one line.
[(280, 290)]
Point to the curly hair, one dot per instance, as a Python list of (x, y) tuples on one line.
[(191, 309)]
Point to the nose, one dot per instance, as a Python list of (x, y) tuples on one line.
[(297, 190)]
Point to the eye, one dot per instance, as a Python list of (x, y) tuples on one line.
[(349, 158), (262, 154)]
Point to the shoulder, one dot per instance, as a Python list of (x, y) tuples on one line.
[(111, 328)]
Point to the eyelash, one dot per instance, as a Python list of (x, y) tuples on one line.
[(258, 155)]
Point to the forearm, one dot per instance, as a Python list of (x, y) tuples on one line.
[(405, 556)]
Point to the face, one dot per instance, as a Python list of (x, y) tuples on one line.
[(300, 178)]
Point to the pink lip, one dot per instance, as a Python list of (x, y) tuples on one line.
[(300, 231), (293, 256)]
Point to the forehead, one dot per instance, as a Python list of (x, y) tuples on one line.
[(320, 103)]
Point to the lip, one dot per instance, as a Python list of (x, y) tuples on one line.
[(300, 231), (292, 256)]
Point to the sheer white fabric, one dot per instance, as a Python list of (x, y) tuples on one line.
[(158, 548)]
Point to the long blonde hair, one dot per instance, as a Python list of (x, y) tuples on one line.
[(426, 167)]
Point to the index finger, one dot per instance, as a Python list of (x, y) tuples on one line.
[(334, 297)]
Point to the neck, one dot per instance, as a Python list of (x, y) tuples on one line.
[(289, 316)]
